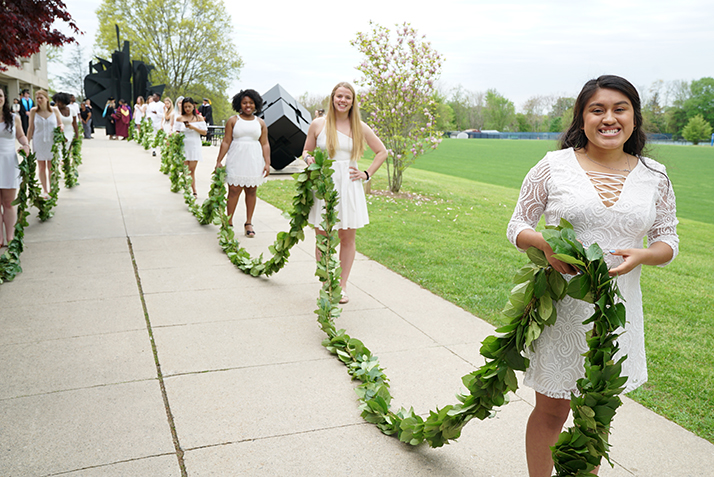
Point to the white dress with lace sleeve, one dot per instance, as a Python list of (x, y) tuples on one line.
[(558, 187)]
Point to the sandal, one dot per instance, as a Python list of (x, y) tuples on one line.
[(249, 233), (344, 299), (195, 194)]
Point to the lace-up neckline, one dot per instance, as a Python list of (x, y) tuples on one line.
[(607, 185)]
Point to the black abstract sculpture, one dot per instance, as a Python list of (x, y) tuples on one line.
[(114, 79), (287, 121)]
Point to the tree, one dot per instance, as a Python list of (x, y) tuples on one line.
[(399, 71), (467, 107), (500, 113), (697, 129), (442, 112), (534, 111), (187, 41), (313, 102), (701, 100), (27, 25), (76, 68), (653, 113)]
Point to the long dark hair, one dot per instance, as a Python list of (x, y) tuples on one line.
[(7, 114), (575, 135), (188, 100)]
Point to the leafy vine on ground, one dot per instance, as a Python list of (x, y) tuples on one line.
[(531, 307)]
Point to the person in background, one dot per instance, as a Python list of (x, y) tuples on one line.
[(16, 106), (206, 110), (139, 112), (155, 112), (69, 122), (43, 121), (192, 126), (167, 119), (319, 113), (110, 126), (122, 118), (73, 105), (85, 115), (26, 105), (88, 105)]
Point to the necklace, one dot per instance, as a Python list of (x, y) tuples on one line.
[(608, 167)]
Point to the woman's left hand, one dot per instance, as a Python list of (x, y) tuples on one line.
[(631, 256), (25, 148), (266, 170), (356, 174)]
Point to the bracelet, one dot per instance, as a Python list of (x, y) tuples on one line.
[(367, 179)]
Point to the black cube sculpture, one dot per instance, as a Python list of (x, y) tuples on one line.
[(287, 122)]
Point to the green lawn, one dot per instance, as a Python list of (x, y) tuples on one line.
[(451, 240)]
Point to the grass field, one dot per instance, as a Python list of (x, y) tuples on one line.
[(449, 237)]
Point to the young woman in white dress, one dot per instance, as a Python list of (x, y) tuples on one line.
[(342, 134), (167, 120), (68, 119), (248, 162), (10, 130), (192, 127), (43, 121), (139, 112), (600, 182)]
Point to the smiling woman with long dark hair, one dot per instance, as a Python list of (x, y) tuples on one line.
[(601, 183)]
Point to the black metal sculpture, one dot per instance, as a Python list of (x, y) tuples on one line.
[(114, 79), (287, 121)]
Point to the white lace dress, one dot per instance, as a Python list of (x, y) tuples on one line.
[(558, 187), (244, 160), (352, 205)]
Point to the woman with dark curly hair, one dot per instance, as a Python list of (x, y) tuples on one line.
[(69, 120), (601, 183), (248, 162), (9, 173)]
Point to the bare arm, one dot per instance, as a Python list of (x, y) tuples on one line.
[(75, 127), (266, 147), (226, 143), (20, 135), (59, 119), (311, 139), (31, 127), (376, 145)]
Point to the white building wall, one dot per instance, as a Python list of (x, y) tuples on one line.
[(31, 75)]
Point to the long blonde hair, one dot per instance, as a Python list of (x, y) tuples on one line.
[(355, 125), (169, 111), (46, 95)]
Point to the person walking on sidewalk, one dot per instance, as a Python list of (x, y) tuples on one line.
[(192, 126), (342, 134), (43, 121), (248, 150), (10, 130), (601, 183)]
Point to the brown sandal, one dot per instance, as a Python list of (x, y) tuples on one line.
[(249, 233)]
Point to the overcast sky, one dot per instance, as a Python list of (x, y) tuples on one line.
[(520, 48)]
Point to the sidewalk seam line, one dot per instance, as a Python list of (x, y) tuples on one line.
[(164, 395)]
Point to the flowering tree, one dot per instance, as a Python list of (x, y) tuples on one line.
[(27, 26), (398, 90)]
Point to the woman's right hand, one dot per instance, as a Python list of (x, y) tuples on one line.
[(557, 265)]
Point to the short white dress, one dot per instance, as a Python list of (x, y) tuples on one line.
[(558, 187), (244, 161), (352, 205), (166, 124), (67, 124), (192, 140), (44, 135), (9, 173), (138, 113)]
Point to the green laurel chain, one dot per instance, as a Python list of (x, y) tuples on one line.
[(531, 307)]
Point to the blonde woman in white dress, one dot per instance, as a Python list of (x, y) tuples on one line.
[(342, 134), (192, 126), (43, 121), (167, 120), (248, 162), (139, 112), (601, 183)]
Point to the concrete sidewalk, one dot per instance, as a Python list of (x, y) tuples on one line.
[(130, 346)]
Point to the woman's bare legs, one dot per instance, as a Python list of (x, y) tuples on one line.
[(8, 214), (44, 169), (251, 197), (348, 250), (233, 196), (192, 168)]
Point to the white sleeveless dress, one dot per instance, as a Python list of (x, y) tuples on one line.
[(558, 187), (67, 123), (166, 124), (244, 160), (138, 113), (43, 136), (192, 140), (352, 205), (9, 173)]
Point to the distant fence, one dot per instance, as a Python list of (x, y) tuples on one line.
[(553, 136)]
